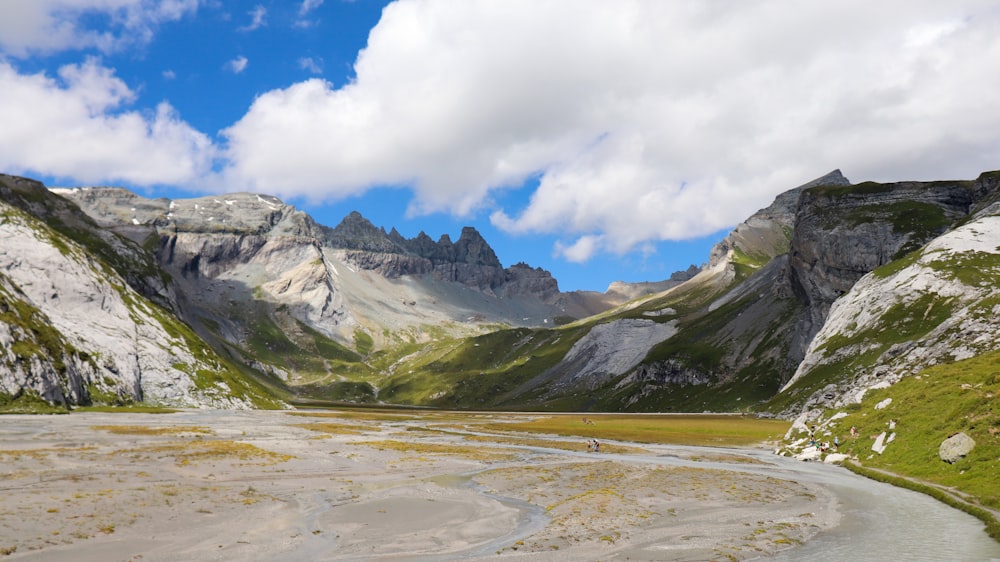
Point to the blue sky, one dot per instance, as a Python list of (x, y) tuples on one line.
[(600, 140)]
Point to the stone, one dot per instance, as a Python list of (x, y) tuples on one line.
[(835, 458), (809, 454), (956, 447), (880, 444)]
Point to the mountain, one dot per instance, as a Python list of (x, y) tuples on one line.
[(73, 328), (757, 329), (832, 290), (297, 305), (927, 304)]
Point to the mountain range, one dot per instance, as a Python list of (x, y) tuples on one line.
[(242, 301)]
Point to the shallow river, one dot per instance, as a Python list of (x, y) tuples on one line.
[(878, 521)]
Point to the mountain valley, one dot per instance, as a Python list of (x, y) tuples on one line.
[(242, 301)]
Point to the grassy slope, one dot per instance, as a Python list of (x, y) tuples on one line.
[(927, 409)]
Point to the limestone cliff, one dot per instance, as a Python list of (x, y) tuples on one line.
[(74, 331), (932, 305)]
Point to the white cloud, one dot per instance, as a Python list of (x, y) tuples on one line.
[(645, 120), (237, 65), (258, 18), (312, 65), (46, 26), (168, 74), (580, 251), (74, 126)]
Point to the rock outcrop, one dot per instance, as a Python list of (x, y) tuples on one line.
[(926, 309), (75, 332), (841, 234)]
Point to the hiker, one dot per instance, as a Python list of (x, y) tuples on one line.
[(854, 431), (590, 445), (597, 446), (836, 442)]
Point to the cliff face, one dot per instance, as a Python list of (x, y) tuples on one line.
[(74, 331), (842, 233), (767, 233), (933, 305)]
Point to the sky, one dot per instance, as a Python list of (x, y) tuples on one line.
[(601, 140)]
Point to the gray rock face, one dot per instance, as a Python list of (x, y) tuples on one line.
[(935, 313), (766, 232), (956, 447), (73, 327), (522, 279), (470, 261), (842, 234), (606, 351), (228, 253)]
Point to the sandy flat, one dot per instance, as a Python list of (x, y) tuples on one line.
[(199, 485)]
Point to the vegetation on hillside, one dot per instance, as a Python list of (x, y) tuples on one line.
[(922, 411)]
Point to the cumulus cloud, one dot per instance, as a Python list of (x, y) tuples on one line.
[(237, 65), (54, 25), (580, 251), (78, 128), (644, 120)]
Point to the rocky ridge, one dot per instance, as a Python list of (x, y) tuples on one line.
[(222, 249)]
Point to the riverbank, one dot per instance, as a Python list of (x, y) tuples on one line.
[(989, 517), (200, 485)]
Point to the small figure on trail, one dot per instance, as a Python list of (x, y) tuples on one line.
[(854, 431), (836, 442), (590, 445), (597, 446)]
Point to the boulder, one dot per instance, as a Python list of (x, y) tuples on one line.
[(835, 458), (809, 454), (956, 447)]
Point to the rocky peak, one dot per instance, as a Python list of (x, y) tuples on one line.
[(472, 249), (356, 232), (766, 233)]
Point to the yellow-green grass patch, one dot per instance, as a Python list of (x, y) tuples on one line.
[(186, 452), (329, 427), (469, 452), (153, 430), (704, 430)]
